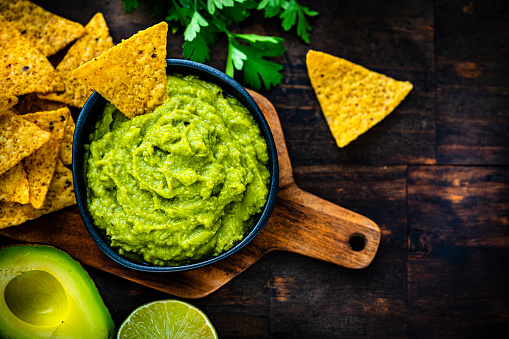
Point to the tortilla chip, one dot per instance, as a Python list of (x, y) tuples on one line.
[(7, 101), (96, 41), (40, 165), (12, 214), (65, 153), (14, 185), (46, 31), (131, 75), (60, 195), (23, 69), (353, 99), (18, 139), (31, 103)]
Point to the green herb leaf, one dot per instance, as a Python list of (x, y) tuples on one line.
[(239, 12), (251, 59), (271, 7), (254, 38), (235, 60), (203, 20), (180, 16), (193, 28), (198, 48), (213, 4), (292, 13), (129, 5)]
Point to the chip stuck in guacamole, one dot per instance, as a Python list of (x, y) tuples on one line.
[(182, 183)]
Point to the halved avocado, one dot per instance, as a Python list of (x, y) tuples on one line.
[(44, 293)]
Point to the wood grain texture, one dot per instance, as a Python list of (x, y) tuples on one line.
[(432, 175), (458, 243), (300, 222), (472, 87)]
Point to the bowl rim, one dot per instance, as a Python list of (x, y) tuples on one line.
[(261, 218)]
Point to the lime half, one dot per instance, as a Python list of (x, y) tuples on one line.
[(169, 319)]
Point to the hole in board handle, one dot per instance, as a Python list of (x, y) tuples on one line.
[(357, 242)]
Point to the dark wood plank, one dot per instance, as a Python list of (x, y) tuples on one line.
[(241, 308), (458, 252), (312, 299), (473, 125), (471, 43), (472, 82)]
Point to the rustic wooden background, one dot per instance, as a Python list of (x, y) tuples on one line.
[(433, 175)]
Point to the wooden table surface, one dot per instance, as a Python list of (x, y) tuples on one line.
[(433, 175)]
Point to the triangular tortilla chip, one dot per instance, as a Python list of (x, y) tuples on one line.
[(65, 153), (7, 101), (31, 103), (14, 185), (23, 69), (131, 75), (46, 31), (353, 99), (18, 139), (40, 165), (60, 195), (96, 41)]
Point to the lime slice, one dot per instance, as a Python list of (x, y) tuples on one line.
[(169, 319)]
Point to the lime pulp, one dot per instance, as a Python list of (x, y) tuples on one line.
[(168, 319)]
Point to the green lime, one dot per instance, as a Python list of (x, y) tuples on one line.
[(167, 319)]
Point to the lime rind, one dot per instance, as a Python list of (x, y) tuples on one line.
[(172, 319)]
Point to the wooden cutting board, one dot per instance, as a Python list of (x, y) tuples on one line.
[(301, 223)]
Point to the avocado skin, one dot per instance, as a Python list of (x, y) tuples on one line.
[(87, 316)]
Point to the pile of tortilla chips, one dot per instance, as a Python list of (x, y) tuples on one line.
[(33, 178), (36, 126), (353, 99)]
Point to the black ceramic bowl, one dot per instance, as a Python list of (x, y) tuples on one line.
[(91, 113)]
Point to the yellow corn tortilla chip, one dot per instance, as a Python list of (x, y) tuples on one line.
[(31, 103), (65, 153), (14, 185), (60, 195), (40, 165), (132, 74), (12, 214), (23, 69), (7, 102), (46, 31), (353, 99), (96, 41), (18, 139)]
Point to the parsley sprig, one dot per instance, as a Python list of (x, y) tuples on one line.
[(202, 21)]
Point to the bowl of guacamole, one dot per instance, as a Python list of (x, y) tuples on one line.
[(182, 187)]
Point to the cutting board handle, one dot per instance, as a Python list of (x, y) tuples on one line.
[(311, 226)]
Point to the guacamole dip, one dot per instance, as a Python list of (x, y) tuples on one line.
[(179, 184)]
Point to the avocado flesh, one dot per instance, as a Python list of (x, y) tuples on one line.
[(44, 293)]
